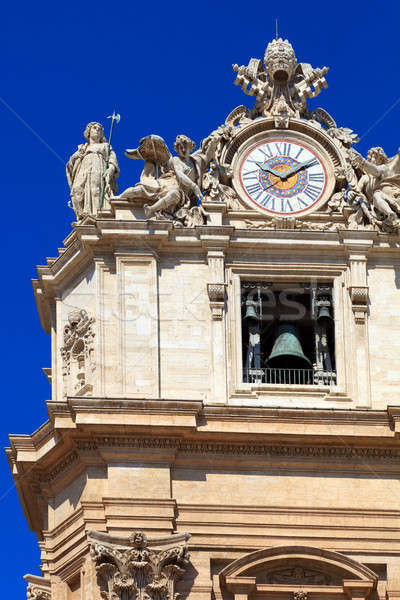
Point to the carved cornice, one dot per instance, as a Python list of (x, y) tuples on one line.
[(61, 466), (248, 449), (99, 239)]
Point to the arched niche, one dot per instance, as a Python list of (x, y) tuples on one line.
[(296, 573)]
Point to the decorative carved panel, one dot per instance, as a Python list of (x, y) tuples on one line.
[(77, 354), (298, 576)]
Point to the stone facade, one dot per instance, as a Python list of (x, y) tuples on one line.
[(162, 470)]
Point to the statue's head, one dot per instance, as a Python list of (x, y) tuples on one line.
[(94, 132), (280, 61), (184, 146), (377, 156)]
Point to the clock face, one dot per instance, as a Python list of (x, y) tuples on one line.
[(283, 176)]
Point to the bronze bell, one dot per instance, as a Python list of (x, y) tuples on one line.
[(324, 315), (287, 352), (251, 313)]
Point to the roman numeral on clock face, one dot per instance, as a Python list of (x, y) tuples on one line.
[(253, 188), (268, 201), (302, 203), (283, 148), (266, 151), (286, 205), (250, 174), (316, 177), (312, 191)]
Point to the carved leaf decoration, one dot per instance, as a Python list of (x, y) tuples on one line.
[(123, 581), (173, 572), (138, 573), (157, 590)]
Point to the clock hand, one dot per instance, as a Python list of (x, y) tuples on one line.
[(273, 183), (303, 165), (266, 168)]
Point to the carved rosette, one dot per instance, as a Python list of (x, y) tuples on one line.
[(138, 572), (77, 352)]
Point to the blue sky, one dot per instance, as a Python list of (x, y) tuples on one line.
[(166, 67)]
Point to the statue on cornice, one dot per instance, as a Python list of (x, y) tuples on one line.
[(171, 184), (380, 182), (217, 185), (193, 164), (86, 172)]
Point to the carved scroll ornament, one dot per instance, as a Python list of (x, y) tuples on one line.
[(139, 572), (34, 593)]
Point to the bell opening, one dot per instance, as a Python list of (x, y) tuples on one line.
[(288, 333)]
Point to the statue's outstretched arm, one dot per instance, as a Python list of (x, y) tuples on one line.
[(360, 162), (374, 170)]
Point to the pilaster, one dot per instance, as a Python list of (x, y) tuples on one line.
[(216, 289), (358, 244), (138, 327)]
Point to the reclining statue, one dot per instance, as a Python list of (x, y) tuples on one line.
[(171, 184)]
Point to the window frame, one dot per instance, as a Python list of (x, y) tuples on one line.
[(335, 275)]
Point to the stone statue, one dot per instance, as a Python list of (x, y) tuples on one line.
[(380, 183), (193, 165), (282, 85), (216, 185), (172, 184), (85, 172), (159, 182)]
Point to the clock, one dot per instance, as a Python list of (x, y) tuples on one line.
[(284, 175)]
